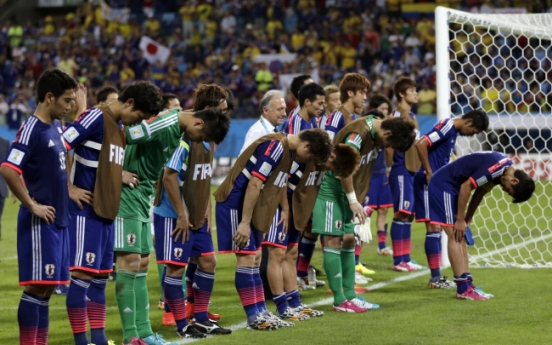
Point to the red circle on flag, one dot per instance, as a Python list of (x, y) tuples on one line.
[(151, 48)]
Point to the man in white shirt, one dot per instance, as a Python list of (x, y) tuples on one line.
[(273, 112)]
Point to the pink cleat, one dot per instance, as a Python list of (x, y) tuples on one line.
[(471, 294), (349, 307), (403, 267), (136, 341)]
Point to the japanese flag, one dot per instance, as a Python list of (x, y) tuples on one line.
[(154, 51)]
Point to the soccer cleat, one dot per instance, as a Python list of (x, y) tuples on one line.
[(168, 319), (161, 305), (110, 342), (262, 323), (157, 339), (349, 307), (213, 316), (61, 290), (403, 267), (279, 322), (385, 251), (209, 327), (442, 283), (360, 280), (471, 294), (293, 315), (415, 265), (480, 291), (305, 309), (360, 289), (135, 341), (360, 268), (191, 332), (190, 313), (361, 302), (303, 284)]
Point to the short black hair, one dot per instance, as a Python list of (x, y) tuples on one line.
[(403, 134), (55, 81), (105, 92), (230, 101), (378, 99), (479, 118), (297, 83), (375, 113), (311, 92), (525, 188), (320, 144), (216, 124), (346, 160), (146, 96), (167, 98)]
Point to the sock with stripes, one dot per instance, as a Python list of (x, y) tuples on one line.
[(406, 234), (174, 297), (306, 250), (203, 288), (126, 302), (470, 279), (43, 322), (281, 302), (294, 299), (28, 316), (96, 309), (259, 292), (433, 253), (190, 274), (348, 269), (245, 285), (382, 237), (358, 250), (332, 265), (76, 309), (397, 241), (161, 273), (461, 283), (143, 324)]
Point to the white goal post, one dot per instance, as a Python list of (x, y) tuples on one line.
[(502, 63)]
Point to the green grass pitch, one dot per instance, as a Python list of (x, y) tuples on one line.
[(410, 312)]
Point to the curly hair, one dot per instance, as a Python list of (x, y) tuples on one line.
[(346, 161), (147, 97), (320, 144)]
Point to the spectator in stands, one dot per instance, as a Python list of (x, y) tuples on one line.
[(427, 100)]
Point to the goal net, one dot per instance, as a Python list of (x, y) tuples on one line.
[(502, 63)]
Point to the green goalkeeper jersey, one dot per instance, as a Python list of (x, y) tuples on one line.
[(151, 144)]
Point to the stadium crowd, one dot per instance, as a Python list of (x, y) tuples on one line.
[(216, 42)]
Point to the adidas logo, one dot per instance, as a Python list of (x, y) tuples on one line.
[(165, 149), (195, 286), (51, 143), (187, 279), (302, 255), (147, 307), (337, 276), (127, 310)]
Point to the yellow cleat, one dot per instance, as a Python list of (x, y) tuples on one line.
[(110, 342), (360, 268)]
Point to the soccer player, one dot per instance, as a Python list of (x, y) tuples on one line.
[(379, 195), (451, 208), (154, 141), (333, 103), (38, 154), (434, 150), (282, 246), (107, 95), (95, 188), (337, 205), (247, 202), (401, 167), (296, 84)]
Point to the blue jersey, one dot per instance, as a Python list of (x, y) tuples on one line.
[(295, 123), (85, 137), (480, 168), (441, 141), (336, 122), (379, 165), (398, 157), (38, 153)]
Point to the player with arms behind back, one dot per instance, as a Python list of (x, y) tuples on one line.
[(38, 153)]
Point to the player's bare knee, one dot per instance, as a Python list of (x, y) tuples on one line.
[(403, 217), (207, 263), (175, 270), (433, 228), (349, 240), (128, 261), (246, 260), (258, 257), (276, 255), (333, 241), (83, 274), (291, 253), (144, 262)]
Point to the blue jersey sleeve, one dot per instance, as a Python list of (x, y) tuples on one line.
[(334, 123), (442, 131), (489, 172), (269, 155), (88, 125), (179, 159), (22, 146)]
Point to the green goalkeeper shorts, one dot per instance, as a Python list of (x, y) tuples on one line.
[(133, 236), (332, 218)]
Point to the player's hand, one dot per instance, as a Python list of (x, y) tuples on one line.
[(131, 179), (459, 230), (358, 212), (208, 219), (47, 213), (182, 229), (14, 198), (80, 196), (386, 178), (241, 237), (428, 175), (284, 220), (80, 97)]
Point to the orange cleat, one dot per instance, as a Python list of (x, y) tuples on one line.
[(214, 316), (168, 319), (190, 312)]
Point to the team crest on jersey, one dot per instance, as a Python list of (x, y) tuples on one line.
[(90, 258), (16, 156), (406, 204), (281, 236), (434, 137), (177, 253), (131, 239), (481, 181), (50, 269), (71, 134), (338, 224)]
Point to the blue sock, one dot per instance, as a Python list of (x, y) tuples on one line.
[(96, 309), (357, 259), (203, 288), (432, 241), (172, 286), (165, 304), (382, 237), (397, 241), (76, 309), (259, 292), (245, 285), (406, 234), (461, 283), (281, 302), (306, 250), (470, 279), (28, 316), (43, 321), (294, 299)]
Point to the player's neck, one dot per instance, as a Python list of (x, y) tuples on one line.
[(186, 119), (349, 106), (304, 114), (293, 142), (405, 105), (43, 114), (457, 122), (116, 109), (378, 140)]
